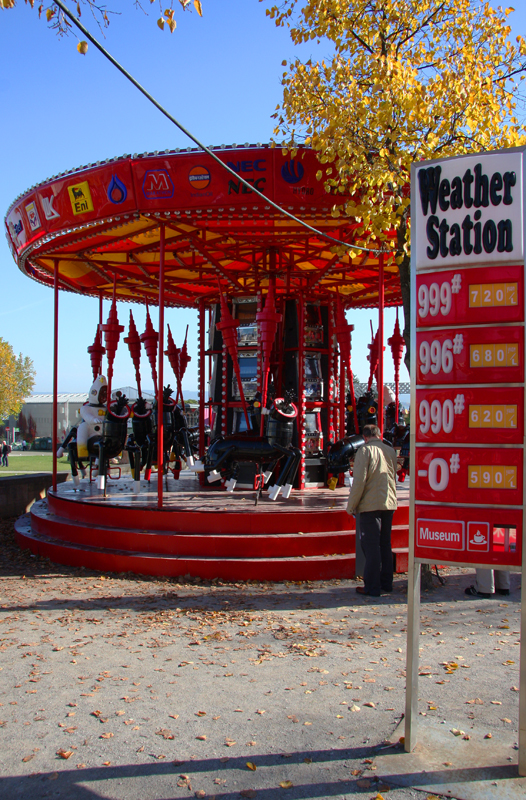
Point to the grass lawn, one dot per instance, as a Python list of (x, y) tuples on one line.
[(20, 463)]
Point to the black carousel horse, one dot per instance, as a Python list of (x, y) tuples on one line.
[(222, 458), (142, 448)]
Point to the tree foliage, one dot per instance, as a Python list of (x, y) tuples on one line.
[(17, 378), (101, 14), (405, 80)]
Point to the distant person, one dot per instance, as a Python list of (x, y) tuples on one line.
[(373, 498), (5, 453), (24, 445)]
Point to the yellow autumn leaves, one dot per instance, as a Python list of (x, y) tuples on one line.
[(407, 80)]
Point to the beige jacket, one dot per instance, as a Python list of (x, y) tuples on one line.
[(374, 478)]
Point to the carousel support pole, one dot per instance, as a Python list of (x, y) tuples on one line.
[(55, 374), (202, 377), (380, 372), (100, 309), (341, 429), (301, 386), (160, 372)]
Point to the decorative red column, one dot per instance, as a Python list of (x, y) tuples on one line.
[(160, 372), (380, 374), (55, 373), (201, 377)]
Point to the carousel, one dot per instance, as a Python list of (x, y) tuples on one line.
[(257, 489)]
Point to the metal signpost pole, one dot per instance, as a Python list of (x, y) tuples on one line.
[(467, 380)]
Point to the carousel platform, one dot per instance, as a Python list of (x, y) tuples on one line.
[(202, 532)]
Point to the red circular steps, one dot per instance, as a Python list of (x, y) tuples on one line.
[(206, 534)]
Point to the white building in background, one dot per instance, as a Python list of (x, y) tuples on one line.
[(40, 407)]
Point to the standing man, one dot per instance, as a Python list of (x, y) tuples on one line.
[(373, 497), (5, 454)]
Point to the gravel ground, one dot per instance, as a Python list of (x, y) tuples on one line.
[(300, 686)]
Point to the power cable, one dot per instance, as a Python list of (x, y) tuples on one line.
[(199, 144)]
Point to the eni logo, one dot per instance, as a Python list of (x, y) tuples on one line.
[(80, 198)]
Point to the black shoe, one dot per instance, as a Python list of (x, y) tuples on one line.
[(471, 590), (504, 592), (387, 591), (361, 590)]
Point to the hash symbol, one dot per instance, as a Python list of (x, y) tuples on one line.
[(459, 404), (458, 344), (456, 284), (454, 463)]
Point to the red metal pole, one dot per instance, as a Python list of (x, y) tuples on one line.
[(301, 386), (160, 372), (55, 374), (202, 378), (380, 372)]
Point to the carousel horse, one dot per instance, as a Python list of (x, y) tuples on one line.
[(222, 458), (100, 437), (186, 444), (340, 456), (143, 447)]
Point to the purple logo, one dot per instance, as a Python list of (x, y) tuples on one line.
[(292, 171), (116, 191), (157, 184)]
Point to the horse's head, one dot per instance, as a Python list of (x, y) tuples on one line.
[(341, 454)]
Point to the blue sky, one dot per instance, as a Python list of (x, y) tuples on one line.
[(219, 76)]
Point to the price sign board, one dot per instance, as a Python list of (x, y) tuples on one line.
[(470, 415), (467, 378), (472, 296), (470, 355), (469, 475)]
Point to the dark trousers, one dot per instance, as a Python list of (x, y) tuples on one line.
[(375, 539)]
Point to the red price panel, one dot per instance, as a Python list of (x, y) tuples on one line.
[(469, 475), (470, 297), (470, 415), (472, 355), (469, 535)]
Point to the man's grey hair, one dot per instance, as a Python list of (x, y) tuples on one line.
[(371, 432)]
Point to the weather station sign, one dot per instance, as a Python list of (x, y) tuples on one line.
[(467, 377)]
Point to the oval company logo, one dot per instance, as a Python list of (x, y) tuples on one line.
[(199, 177), (292, 171)]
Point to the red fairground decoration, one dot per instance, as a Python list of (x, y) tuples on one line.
[(343, 337), (96, 351), (150, 341), (112, 331), (268, 321), (133, 341)]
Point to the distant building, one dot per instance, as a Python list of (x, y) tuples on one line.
[(40, 407)]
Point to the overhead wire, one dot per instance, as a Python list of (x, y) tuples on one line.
[(203, 147)]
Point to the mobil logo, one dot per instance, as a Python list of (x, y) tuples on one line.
[(157, 184), (292, 171), (444, 533), (478, 537)]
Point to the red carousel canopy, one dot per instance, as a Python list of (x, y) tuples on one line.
[(102, 223)]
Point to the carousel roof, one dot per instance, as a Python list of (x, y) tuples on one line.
[(101, 224)]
